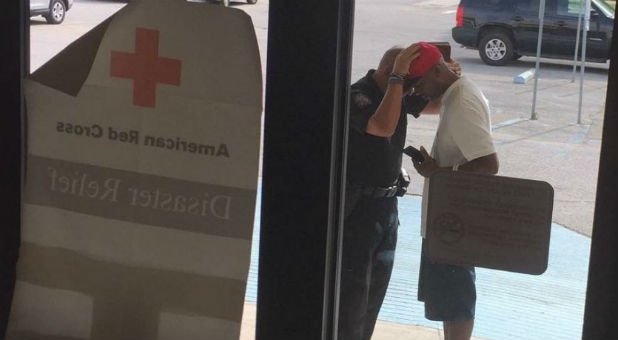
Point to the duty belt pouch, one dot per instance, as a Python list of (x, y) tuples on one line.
[(402, 182)]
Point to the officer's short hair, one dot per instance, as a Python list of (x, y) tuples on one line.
[(388, 59)]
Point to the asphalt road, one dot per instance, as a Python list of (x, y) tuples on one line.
[(553, 148)]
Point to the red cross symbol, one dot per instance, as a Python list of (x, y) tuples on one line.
[(145, 67)]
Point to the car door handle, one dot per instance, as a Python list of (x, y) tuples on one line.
[(560, 23), (518, 18)]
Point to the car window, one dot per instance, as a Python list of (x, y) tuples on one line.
[(528, 6), (569, 7), (572, 7), (604, 7)]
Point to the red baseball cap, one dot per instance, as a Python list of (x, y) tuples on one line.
[(428, 58)]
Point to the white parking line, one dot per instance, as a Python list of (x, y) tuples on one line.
[(449, 12), (508, 123)]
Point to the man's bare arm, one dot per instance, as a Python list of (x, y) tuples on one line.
[(483, 165)]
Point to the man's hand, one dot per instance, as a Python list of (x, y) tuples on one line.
[(405, 58), (428, 166), (454, 66)]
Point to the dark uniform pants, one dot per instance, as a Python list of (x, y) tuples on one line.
[(370, 236)]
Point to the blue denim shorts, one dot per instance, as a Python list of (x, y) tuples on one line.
[(449, 291)]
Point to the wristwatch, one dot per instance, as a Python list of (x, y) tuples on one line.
[(395, 78)]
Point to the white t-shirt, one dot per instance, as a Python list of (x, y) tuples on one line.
[(464, 131)]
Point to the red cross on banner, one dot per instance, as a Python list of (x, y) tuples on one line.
[(145, 67)]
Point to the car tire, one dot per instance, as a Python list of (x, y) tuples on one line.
[(251, 2), (496, 48), (57, 12)]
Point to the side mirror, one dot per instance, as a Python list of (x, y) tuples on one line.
[(594, 13)]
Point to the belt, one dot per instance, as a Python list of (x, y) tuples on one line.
[(375, 192)]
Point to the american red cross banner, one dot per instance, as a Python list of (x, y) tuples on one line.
[(140, 178)]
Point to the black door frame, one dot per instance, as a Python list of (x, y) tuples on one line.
[(306, 96), (307, 85), (601, 311), (14, 65)]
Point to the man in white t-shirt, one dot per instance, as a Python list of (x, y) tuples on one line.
[(463, 142)]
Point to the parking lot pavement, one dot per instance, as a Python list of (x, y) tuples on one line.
[(47, 40)]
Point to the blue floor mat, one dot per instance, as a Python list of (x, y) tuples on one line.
[(509, 305)]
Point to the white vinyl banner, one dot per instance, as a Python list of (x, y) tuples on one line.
[(141, 175)]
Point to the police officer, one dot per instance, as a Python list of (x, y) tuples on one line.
[(378, 122)]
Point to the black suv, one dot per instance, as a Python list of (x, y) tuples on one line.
[(504, 30)]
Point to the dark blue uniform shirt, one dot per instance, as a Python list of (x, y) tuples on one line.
[(373, 160)]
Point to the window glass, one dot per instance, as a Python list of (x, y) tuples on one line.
[(607, 7), (391, 288), (570, 7), (528, 5)]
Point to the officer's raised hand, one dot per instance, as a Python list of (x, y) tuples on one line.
[(404, 59), (390, 77)]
